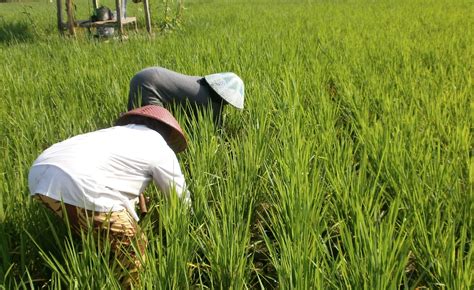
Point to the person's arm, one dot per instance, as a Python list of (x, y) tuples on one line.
[(168, 177)]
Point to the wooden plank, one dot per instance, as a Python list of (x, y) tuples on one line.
[(146, 7), (59, 4), (106, 23)]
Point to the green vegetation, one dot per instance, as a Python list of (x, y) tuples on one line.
[(348, 169)]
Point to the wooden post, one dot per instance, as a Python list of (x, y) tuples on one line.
[(118, 7), (146, 7), (70, 18), (95, 4), (59, 4)]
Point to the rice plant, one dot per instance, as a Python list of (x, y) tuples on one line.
[(349, 168)]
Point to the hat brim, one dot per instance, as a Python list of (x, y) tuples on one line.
[(229, 87), (175, 140)]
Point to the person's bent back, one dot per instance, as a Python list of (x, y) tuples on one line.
[(162, 87), (99, 176)]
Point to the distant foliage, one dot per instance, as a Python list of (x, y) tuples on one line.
[(22, 29), (17, 1), (173, 14)]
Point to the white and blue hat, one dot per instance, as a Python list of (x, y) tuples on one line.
[(228, 86)]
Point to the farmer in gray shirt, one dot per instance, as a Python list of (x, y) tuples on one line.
[(160, 86)]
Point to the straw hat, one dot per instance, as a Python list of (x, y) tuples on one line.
[(229, 86), (175, 139)]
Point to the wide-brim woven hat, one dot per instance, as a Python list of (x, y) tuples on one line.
[(228, 86), (176, 139)]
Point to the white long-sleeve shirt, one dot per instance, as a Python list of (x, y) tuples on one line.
[(106, 170)]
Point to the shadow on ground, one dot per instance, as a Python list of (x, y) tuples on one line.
[(15, 32)]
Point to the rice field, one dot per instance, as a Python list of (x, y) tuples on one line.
[(350, 167)]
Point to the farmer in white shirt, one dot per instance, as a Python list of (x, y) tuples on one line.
[(100, 175), (163, 87)]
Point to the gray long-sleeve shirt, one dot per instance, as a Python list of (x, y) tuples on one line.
[(160, 86)]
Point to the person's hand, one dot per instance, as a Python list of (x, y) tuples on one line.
[(143, 203)]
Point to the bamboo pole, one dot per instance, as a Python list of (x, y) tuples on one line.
[(146, 7), (59, 4), (70, 18), (118, 6)]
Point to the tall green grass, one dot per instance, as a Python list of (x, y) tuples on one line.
[(349, 167)]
